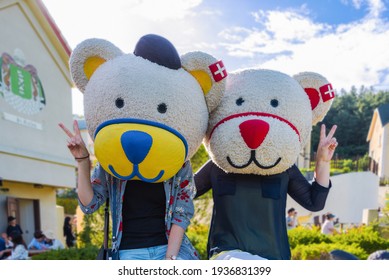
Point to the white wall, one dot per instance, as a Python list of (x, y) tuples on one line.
[(349, 195)]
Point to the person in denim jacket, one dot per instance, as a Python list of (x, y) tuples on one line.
[(179, 192)]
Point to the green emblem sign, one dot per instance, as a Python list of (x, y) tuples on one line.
[(20, 86)]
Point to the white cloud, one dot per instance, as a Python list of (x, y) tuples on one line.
[(355, 3), (162, 10), (123, 22), (291, 42), (289, 25), (280, 32), (374, 7)]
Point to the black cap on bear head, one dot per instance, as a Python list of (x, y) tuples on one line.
[(159, 50)]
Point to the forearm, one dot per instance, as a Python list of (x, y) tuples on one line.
[(85, 191), (322, 173), (175, 239)]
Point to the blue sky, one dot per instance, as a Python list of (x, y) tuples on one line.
[(345, 40)]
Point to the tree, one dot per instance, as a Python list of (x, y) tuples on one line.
[(352, 113)]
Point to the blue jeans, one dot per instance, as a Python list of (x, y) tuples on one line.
[(151, 253)]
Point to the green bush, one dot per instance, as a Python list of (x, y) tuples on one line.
[(198, 235), (93, 229), (69, 204), (87, 253), (322, 251), (199, 158), (348, 164), (311, 244), (367, 238), (304, 236)]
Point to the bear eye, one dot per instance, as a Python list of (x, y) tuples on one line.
[(239, 101), (119, 103), (162, 108), (274, 103)]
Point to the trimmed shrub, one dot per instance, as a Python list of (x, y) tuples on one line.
[(322, 251), (367, 238), (87, 253), (304, 236), (310, 244)]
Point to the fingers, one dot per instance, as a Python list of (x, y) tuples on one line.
[(323, 131), (332, 131), (330, 134), (333, 144), (76, 128), (67, 131)]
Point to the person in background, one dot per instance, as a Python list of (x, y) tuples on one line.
[(291, 219), (7, 240), (13, 226), (51, 241), (328, 225), (68, 232), (37, 243), (2, 247), (19, 252)]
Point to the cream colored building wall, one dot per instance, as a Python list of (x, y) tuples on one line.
[(33, 146), (385, 152), (374, 149), (60, 216), (379, 147), (80, 219), (375, 145)]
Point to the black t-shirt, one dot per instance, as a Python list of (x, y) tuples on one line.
[(14, 229), (143, 214)]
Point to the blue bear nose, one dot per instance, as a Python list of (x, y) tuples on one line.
[(136, 145)]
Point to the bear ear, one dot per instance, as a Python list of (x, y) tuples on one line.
[(319, 91), (87, 57), (209, 73)]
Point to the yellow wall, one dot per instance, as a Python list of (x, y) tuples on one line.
[(60, 216), (46, 197)]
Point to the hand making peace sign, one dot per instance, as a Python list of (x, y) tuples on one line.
[(75, 143), (327, 144)]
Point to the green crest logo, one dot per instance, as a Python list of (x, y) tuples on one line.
[(20, 86)]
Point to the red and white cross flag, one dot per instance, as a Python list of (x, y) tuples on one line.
[(327, 92), (218, 71)]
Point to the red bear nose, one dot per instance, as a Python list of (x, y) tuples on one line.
[(254, 132)]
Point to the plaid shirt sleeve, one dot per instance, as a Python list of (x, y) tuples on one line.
[(100, 191)]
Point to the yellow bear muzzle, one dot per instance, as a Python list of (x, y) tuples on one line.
[(132, 149)]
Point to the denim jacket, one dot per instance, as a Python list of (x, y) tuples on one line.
[(180, 191)]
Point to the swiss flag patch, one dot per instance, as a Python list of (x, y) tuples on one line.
[(218, 71), (327, 92)]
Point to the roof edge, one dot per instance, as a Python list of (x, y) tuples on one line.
[(54, 34)]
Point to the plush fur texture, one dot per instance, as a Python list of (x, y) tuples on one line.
[(141, 88), (254, 97), (90, 48), (316, 81), (195, 61)]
